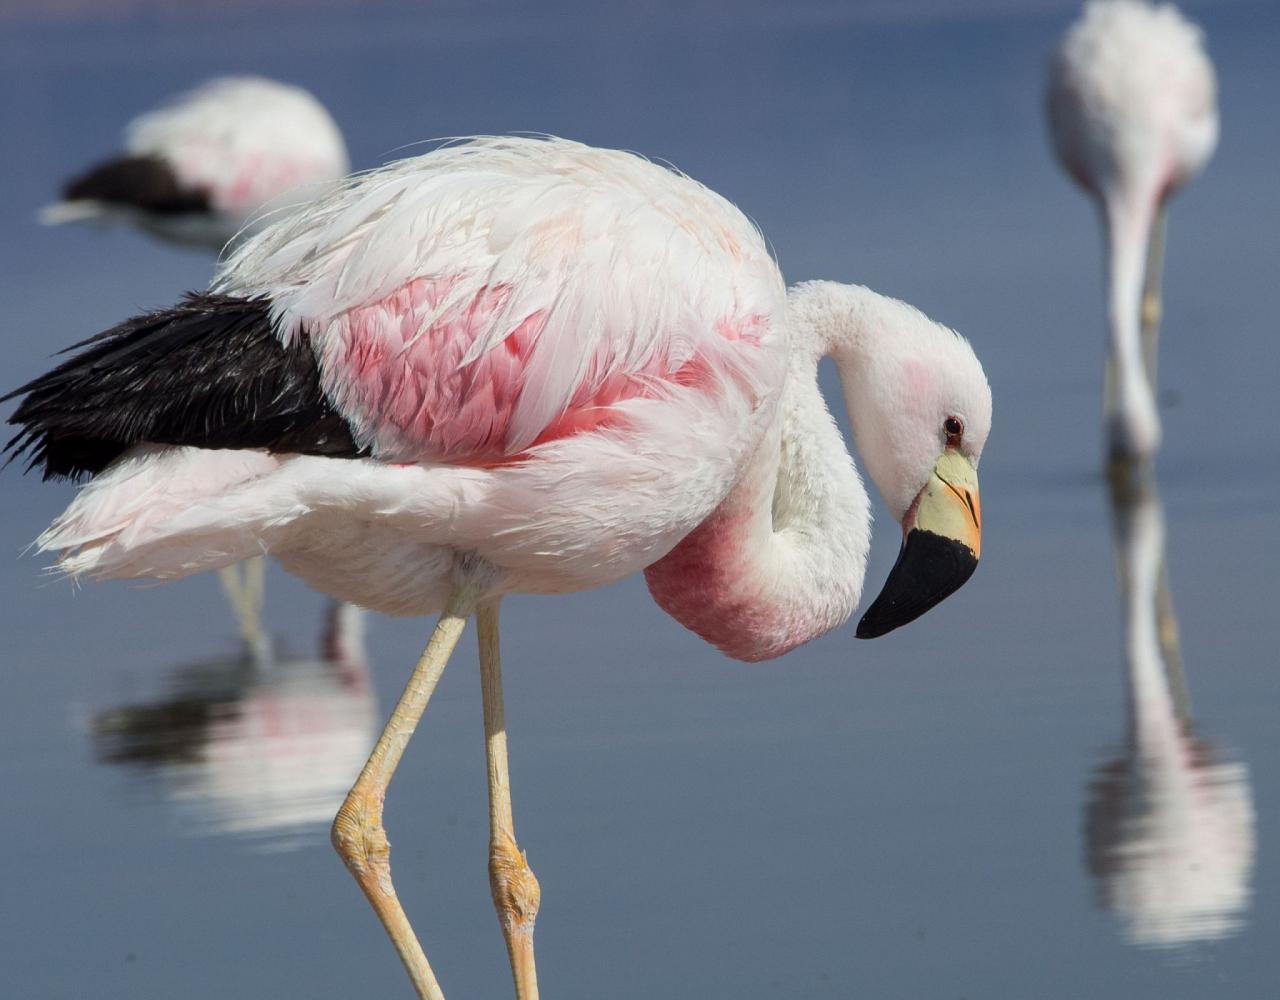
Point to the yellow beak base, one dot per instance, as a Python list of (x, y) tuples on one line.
[(942, 539)]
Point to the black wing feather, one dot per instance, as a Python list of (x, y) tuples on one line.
[(145, 182), (209, 372)]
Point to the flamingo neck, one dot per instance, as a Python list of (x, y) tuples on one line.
[(782, 559), (1133, 423)]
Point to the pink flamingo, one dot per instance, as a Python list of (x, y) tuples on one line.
[(1132, 108), (519, 365), (207, 166)]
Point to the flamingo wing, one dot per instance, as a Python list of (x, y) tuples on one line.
[(209, 372), (143, 182), (474, 302)]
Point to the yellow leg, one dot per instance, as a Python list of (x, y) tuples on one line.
[(255, 582), (515, 890), (1151, 308), (358, 834)]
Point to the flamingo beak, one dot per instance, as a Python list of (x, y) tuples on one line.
[(941, 542)]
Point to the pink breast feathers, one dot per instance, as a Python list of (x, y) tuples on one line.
[(395, 369)]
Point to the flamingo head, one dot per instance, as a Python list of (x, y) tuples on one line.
[(920, 407)]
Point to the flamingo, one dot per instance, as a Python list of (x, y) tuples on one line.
[(201, 167), (1133, 114), (208, 166), (518, 365)]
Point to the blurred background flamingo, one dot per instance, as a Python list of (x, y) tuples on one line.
[(1132, 104), (211, 164)]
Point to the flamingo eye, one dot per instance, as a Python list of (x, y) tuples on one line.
[(953, 428)]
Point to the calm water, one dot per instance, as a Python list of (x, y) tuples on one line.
[(973, 807)]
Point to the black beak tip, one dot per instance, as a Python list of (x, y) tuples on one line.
[(929, 569), (871, 629)]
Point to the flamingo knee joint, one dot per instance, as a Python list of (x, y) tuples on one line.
[(361, 840), (516, 893)]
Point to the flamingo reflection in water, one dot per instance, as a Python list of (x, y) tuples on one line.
[(256, 745), (1169, 827)]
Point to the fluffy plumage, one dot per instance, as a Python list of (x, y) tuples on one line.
[(1132, 98), (543, 281)]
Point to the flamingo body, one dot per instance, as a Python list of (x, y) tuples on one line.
[(1132, 99), (202, 167), (556, 360)]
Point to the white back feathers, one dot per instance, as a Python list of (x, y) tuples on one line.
[(590, 266)]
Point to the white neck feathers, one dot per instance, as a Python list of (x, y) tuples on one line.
[(782, 559)]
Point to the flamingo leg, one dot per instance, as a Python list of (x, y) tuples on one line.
[(515, 890), (243, 591), (255, 582), (358, 834)]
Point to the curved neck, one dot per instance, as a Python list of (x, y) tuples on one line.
[(1133, 424), (781, 560)]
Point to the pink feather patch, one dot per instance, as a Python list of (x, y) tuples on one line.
[(396, 368)]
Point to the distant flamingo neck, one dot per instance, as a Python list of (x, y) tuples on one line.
[(1129, 406), (781, 560)]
